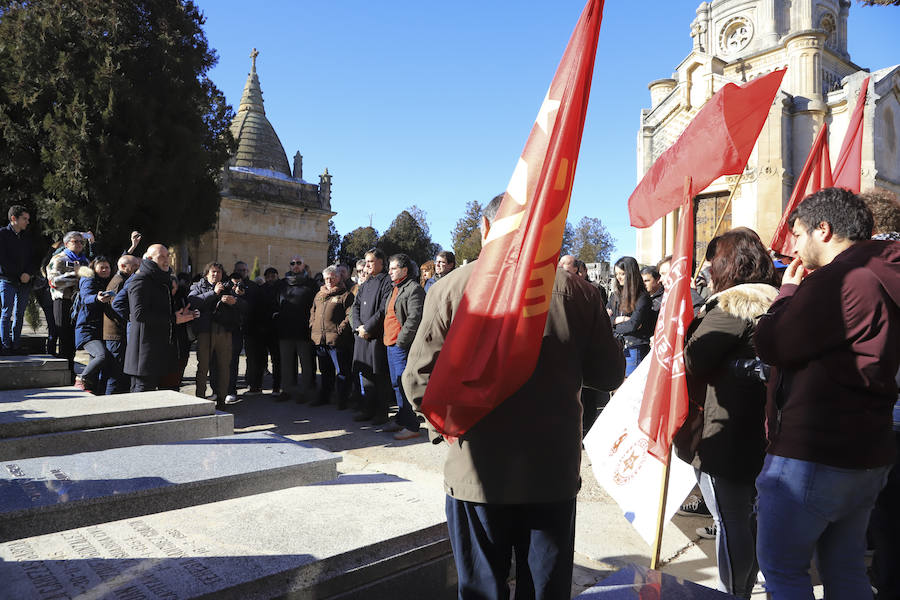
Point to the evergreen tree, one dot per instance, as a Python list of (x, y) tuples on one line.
[(255, 272), (591, 241), (108, 121), (466, 235), (407, 236), (334, 243), (355, 244)]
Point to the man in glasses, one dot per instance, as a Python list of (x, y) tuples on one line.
[(63, 275), (294, 303)]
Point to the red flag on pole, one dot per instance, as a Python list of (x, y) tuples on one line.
[(848, 168), (493, 344), (717, 142), (665, 404), (816, 175)]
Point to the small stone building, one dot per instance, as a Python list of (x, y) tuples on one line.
[(737, 41), (267, 211)]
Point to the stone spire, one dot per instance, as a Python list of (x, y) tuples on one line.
[(258, 146)]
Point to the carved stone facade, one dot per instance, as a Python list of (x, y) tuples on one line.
[(739, 40), (266, 211)]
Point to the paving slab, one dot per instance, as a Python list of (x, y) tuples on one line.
[(634, 582), (120, 436), (350, 538), (42, 495), (33, 371), (49, 410)]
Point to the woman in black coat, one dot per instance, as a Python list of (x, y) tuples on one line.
[(631, 312), (725, 378)]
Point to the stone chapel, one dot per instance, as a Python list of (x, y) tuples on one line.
[(267, 211), (736, 41)]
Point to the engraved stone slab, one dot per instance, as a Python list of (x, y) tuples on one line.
[(348, 538), (42, 495), (48, 410), (119, 436), (33, 371)]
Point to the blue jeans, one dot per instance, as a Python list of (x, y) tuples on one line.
[(732, 506), (119, 383), (633, 357), (806, 508), (396, 364), (13, 299), (484, 537), (100, 369)]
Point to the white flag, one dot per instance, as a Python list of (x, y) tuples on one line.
[(622, 465)]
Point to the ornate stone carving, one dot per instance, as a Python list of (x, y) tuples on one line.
[(735, 35)]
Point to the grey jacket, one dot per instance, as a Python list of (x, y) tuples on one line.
[(408, 308), (528, 449)]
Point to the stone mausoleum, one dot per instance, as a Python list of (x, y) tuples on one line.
[(736, 41), (268, 211)]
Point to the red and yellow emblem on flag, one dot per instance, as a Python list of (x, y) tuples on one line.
[(493, 344)]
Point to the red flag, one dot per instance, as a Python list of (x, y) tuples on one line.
[(493, 344), (717, 142), (848, 168), (816, 175), (665, 404)]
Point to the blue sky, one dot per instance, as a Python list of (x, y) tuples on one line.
[(430, 103)]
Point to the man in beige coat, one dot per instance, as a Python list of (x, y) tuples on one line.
[(511, 480)]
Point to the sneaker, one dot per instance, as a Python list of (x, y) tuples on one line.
[(231, 399), (79, 383), (392, 427), (694, 506), (406, 434), (708, 532), (213, 398)]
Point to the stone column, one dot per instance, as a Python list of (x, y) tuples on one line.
[(842, 28), (767, 25), (804, 52), (801, 15)]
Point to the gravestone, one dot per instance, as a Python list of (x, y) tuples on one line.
[(634, 582), (42, 495), (55, 421), (33, 371), (361, 536)]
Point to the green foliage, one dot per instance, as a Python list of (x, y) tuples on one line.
[(881, 2), (591, 242), (334, 243), (355, 244), (255, 272), (466, 235), (406, 235), (107, 119), (33, 313)]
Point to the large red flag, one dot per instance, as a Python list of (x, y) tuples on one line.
[(848, 168), (493, 344), (717, 142), (665, 404), (816, 175)]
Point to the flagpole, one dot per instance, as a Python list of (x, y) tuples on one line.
[(660, 517), (722, 218)]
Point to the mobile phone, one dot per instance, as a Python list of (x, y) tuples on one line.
[(108, 293)]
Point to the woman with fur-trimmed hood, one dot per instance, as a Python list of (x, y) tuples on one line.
[(727, 380)]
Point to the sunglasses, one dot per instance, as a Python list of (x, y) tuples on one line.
[(296, 262)]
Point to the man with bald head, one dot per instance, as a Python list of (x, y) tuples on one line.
[(567, 263), (149, 349)]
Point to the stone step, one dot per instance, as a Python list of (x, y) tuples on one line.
[(33, 371), (43, 495), (635, 581), (51, 410), (365, 535), (119, 436)]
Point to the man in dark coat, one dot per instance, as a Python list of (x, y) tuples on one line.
[(114, 324), (150, 344), (369, 354), (16, 268), (295, 299)]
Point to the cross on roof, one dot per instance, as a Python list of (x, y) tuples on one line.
[(253, 54)]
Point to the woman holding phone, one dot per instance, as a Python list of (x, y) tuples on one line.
[(89, 328)]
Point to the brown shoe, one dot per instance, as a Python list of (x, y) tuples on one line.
[(406, 434)]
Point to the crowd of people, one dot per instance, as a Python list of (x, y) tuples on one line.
[(792, 367)]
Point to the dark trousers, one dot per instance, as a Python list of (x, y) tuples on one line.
[(255, 351), (884, 532), (46, 304), (118, 384), (291, 350), (237, 344), (140, 383), (376, 392), (101, 369), (484, 538), (65, 330), (334, 366)]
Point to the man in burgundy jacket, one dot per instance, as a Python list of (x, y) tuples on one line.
[(833, 336)]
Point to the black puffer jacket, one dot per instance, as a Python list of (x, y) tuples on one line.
[(295, 300), (733, 441)]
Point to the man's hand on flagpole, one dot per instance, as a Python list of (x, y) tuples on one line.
[(794, 273)]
